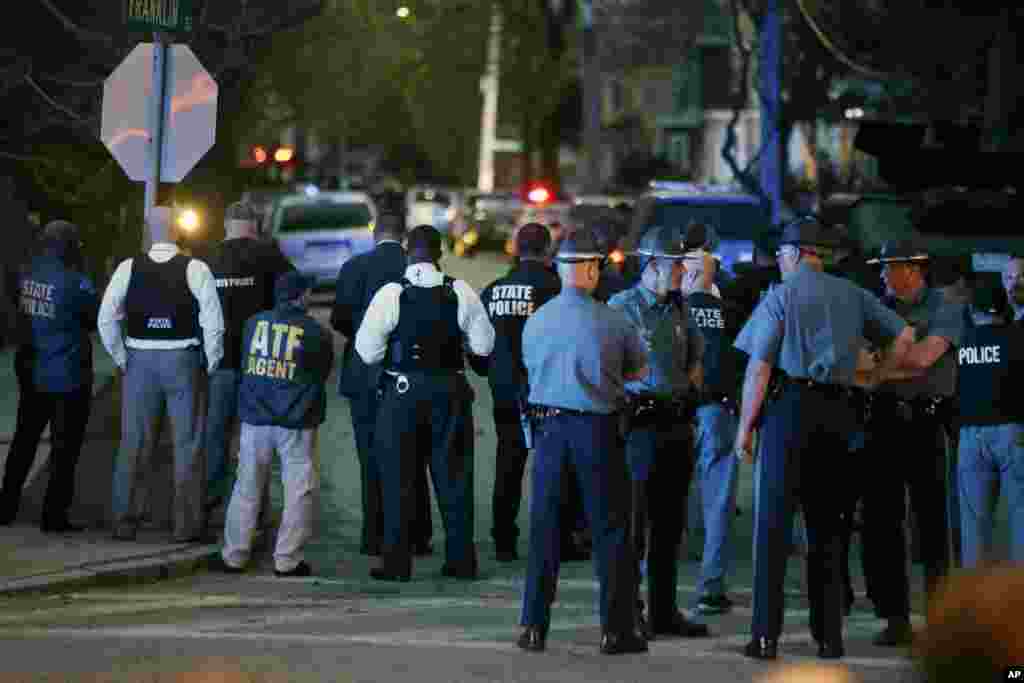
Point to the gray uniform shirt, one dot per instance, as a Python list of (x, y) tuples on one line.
[(576, 351), (674, 344), (811, 326), (931, 315)]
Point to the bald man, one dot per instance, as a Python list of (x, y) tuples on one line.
[(158, 311)]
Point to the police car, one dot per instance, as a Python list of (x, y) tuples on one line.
[(736, 219), (319, 231)]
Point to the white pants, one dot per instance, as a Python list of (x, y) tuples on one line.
[(297, 449)]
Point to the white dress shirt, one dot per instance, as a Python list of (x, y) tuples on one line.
[(203, 288), (381, 317)]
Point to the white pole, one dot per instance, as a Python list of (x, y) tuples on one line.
[(156, 141), (489, 122)]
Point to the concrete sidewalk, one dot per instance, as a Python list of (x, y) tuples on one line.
[(33, 561)]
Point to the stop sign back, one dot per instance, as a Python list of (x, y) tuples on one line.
[(190, 113)]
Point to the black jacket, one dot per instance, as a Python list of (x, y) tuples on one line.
[(358, 280), (509, 301)]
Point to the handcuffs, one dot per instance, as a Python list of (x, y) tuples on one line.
[(401, 384)]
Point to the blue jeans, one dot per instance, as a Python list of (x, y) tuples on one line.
[(991, 461), (717, 470), (221, 421)]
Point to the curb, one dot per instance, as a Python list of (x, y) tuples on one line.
[(169, 565)]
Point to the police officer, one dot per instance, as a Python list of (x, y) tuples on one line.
[(716, 415), (156, 311), (807, 333), (991, 416), (659, 444), (510, 301), (908, 415), (358, 280), (245, 269), (579, 354), (1013, 283), (417, 329), (287, 356), (58, 305)]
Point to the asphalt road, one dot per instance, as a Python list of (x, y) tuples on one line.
[(341, 626)]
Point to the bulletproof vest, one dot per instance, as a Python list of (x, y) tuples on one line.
[(428, 337), (987, 359), (159, 304)]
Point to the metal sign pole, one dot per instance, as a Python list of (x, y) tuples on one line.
[(156, 141)]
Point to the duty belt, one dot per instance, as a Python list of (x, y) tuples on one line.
[(648, 408), (780, 380), (935, 406), (539, 412)]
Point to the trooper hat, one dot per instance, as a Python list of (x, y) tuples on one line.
[(661, 242), (901, 251), (578, 246), (807, 231)]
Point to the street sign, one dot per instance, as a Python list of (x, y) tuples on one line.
[(189, 113), (159, 15)]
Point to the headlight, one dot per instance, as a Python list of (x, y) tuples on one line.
[(470, 238)]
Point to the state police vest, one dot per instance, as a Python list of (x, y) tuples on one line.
[(159, 304), (428, 337), (719, 360), (990, 374)]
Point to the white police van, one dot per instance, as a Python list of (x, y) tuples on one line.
[(318, 231)]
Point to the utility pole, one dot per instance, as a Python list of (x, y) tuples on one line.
[(489, 86), (771, 77), (591, 99)]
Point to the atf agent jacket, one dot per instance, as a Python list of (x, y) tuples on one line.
[(286, 358)]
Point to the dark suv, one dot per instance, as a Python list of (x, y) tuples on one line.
[(737, 220)]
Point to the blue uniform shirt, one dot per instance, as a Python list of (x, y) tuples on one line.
[(60, 305), (811, 326), (674, 344), (576, 351), (286, 358), (931, 315)]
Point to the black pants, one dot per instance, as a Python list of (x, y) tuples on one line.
[(660, 458), (67, 414), (801, 457), (364, 422), (429, 423), (903, 455), (509, 465)]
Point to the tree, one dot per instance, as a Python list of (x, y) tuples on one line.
[(824, 41)]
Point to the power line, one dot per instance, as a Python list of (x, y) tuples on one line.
[(53, 103), (836, 52)]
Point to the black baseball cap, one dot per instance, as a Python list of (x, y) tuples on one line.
[(533, 238)]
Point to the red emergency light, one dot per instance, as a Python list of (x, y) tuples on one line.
[(539, 194)]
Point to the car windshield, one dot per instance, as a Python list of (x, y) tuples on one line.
[(325, 216), (728, 220)]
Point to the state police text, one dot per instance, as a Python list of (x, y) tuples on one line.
[(272, 350), (37, 299), (511, 300)]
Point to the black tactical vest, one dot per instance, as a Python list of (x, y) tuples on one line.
[(990, 370), (159, 305), (428, 337)]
